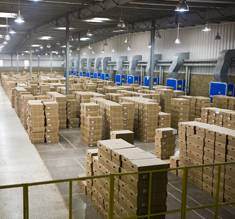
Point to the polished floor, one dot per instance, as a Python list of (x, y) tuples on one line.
[(20, 161)]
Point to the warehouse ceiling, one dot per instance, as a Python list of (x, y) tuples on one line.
[(48, 18)]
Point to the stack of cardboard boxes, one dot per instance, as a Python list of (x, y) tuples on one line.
[(179, 111), (165, 98), (36, 121), (128, 115), (220, 117), (61, 100), (164, 120), (72, 112), (165, 142), (112, 117), (192, 106), (114, 96), (130, 196), (146, 117), (91, 124), (202, 143), (51, 121), (201, 102), (126, 135), (224, 102)]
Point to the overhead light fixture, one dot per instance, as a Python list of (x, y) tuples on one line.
[(7, 37), (12, 32), (89, 34), (182, 6), (48, 46), (113, 50), (45, 38), (97, 20), (1, 36), (121, 23), (149, 46), (126, 40), (8, 15), (84, 38), (64, 28), (177, 41), (35, 45), (217, 37), (55, 52), (89, 47), (19, 19), (206, 28), (5, 43), (118, 31), (41, 47), (4, 25), (102, 51), (128, 48), (78, 49)]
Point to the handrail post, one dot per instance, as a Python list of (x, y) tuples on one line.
[(111, 196), (184, 193), (25, 202), (70, 199), (217, 194), (150, 194)]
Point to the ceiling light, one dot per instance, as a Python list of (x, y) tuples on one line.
[(64, 28), (121, 24), (149, 46), (177, 41), (89, 34), (113, 50), (206, 28), (78, 49), (8, 15), (217, 37), (89, 47), (48, 46), (126, 40), (102, 51), (129, 48), (97, 20), (182, 6), (45, 38), (1, 36), (55, 52), (41, 47), (35, 45), (12, 32), (5, 43), (7, 37), (84, 38), (93, 52), (4, 25), (118, 31), (19, 19)]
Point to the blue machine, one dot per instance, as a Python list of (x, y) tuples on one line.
[(146, 81), (105, 76), (124, 78), (99, 75), (88, 74), (130, 79), (218, 88), (95, 75), (156, 81), (118, 79), (91, 74), (231, 90), (80, 74), (176, 84), (136, 79)]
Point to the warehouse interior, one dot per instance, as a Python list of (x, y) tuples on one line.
[(117, 109)]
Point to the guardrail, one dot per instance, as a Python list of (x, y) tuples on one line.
[(183, 210)]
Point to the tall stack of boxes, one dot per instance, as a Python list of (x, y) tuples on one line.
[(128, 115), (61, 100), (201, 102), (72, 112), (36, 121), (91, 124), (112, 117), (165, 98), (130, 196), (179, 111), (164, 120), (202, 143), (224, 102), (165, 142), (51, 121), (221, 117), (192, 106)]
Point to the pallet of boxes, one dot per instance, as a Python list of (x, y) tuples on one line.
[(72, 112), (202, 143), (51, 121), (130, 196), (91, 124), (36, 121)]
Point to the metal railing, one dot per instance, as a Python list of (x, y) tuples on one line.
[(182, 210)]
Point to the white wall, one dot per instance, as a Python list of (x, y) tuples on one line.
[(200, 45)]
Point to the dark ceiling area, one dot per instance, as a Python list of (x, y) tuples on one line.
[(44, 17)]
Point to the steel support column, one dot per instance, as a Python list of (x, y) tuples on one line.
[(79, 55), (51, 61), (30, 63), (151, 61), (67, 54), (17, 62)]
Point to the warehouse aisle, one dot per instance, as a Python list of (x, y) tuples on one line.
[(19, 163)]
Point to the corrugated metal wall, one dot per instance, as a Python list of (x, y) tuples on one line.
[(200, 45)]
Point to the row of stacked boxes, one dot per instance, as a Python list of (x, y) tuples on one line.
[(224, 102), (130, 196), (202, 143)]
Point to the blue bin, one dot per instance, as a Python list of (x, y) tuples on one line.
[(124, 78), (156, 81), (231, 91), (218, 88), (88, 74), (118, 80), (130, 79), (91, 74), (146, 81), (99, 75), (137, 79), (95, 75), (171, 82)]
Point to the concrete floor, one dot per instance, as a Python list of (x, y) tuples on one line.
[(20, 161)]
